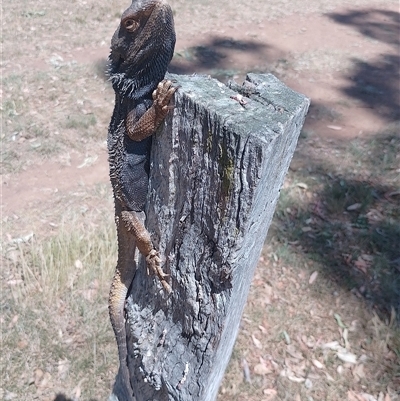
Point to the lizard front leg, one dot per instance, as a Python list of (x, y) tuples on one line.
[(135, 226), (141, 128)]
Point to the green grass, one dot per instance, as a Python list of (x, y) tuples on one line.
[(80, 121), (380, 154), (341, 194)]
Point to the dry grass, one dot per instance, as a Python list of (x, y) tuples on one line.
[(57, 336)]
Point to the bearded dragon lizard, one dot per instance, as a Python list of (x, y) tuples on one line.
[(141, 49)]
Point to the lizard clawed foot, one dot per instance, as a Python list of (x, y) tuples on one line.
[(162, 96), (154, 266)]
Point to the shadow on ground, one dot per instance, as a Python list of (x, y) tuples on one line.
[(213, 57), (351, 227), (381, 25), (375, 83), (62, 397)]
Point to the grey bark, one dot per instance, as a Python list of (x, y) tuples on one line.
[(216, 171)]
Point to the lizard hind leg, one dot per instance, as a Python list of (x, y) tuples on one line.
[(135, 226), (118, 292)]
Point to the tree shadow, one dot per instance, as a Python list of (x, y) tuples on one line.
[(376, 83), (351, 227), (381, 25), (213, 57)]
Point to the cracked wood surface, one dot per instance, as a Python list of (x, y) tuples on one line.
[(217, 166)]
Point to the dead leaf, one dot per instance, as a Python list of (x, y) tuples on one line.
[(313, 376), (358, 372), (374, 215), (295, 379), (15, 282), (313, 277), (354, 206), (352, 396), (45, 381), (339, 321), (25, 238), (391, 194), (362, 265), (256, 342), (270, 393), (246, 371), (367, 257), (286, 336), (333, 345), (347, 357), (318, 364), (329, 377), (268, 293), (37, 376), (261, 369), (345, 336), (41, 379)]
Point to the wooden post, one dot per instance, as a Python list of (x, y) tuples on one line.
[(217, 168)]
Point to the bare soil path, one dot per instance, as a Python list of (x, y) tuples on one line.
[(346, 60)]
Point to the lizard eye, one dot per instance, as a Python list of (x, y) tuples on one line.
[(130, 24)]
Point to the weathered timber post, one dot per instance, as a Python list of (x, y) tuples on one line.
[(216, 171)]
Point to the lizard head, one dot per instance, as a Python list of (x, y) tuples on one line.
[(142, 46)]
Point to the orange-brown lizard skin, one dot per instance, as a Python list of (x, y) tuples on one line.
[(141, 50)]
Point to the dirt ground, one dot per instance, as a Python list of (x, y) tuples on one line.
[(57, 102), (346, 59)]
